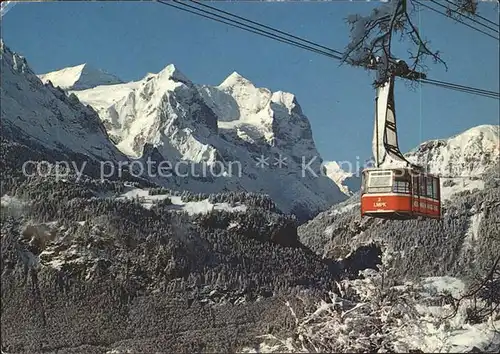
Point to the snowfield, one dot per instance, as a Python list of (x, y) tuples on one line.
[(192, 208)]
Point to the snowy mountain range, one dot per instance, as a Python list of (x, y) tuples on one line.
[(261, 139)]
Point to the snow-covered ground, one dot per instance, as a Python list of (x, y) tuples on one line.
[(412, 317), (345, 209), (192, 208), (11, 202)]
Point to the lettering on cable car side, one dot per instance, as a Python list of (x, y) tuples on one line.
[(379, 203)]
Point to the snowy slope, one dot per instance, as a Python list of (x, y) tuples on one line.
[(79, 77), (47, 115), (410, 317), (194, 207), (234, 123), (461, 160)]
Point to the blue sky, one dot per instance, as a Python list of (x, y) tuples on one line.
[(130, 39)]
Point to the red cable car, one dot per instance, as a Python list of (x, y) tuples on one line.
[(400, 193), (395, 188)]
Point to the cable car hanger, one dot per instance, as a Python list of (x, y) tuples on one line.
[(395, 188)]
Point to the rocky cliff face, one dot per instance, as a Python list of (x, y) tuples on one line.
[(46, 116)]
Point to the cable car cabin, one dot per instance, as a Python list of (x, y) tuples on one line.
[(400, 194)]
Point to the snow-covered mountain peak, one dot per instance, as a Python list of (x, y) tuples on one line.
[(487, 134), (235, 79), (336, 172), (258, 114), (348, 181), (249, 99), (288, 100), (79, 77), (171, 72), (462, 160), (468, 154), (163, 109)]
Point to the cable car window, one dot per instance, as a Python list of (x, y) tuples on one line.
[(436, 187), (415, 186), (401, 175), (401, 182), (422, 186), (430, 190), (379, 182), (401, 187)]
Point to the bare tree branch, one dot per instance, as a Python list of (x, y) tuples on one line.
[(488, 289), (371, 39)]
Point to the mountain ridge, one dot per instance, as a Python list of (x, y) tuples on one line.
[(47, 115), (234, 122), (78, 77)]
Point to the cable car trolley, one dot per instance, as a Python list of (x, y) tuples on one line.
[(400, 194), (395, 188)]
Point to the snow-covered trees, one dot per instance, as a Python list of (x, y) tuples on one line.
[(362, 315)]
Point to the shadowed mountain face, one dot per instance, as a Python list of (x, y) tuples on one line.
[(46, 116)]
